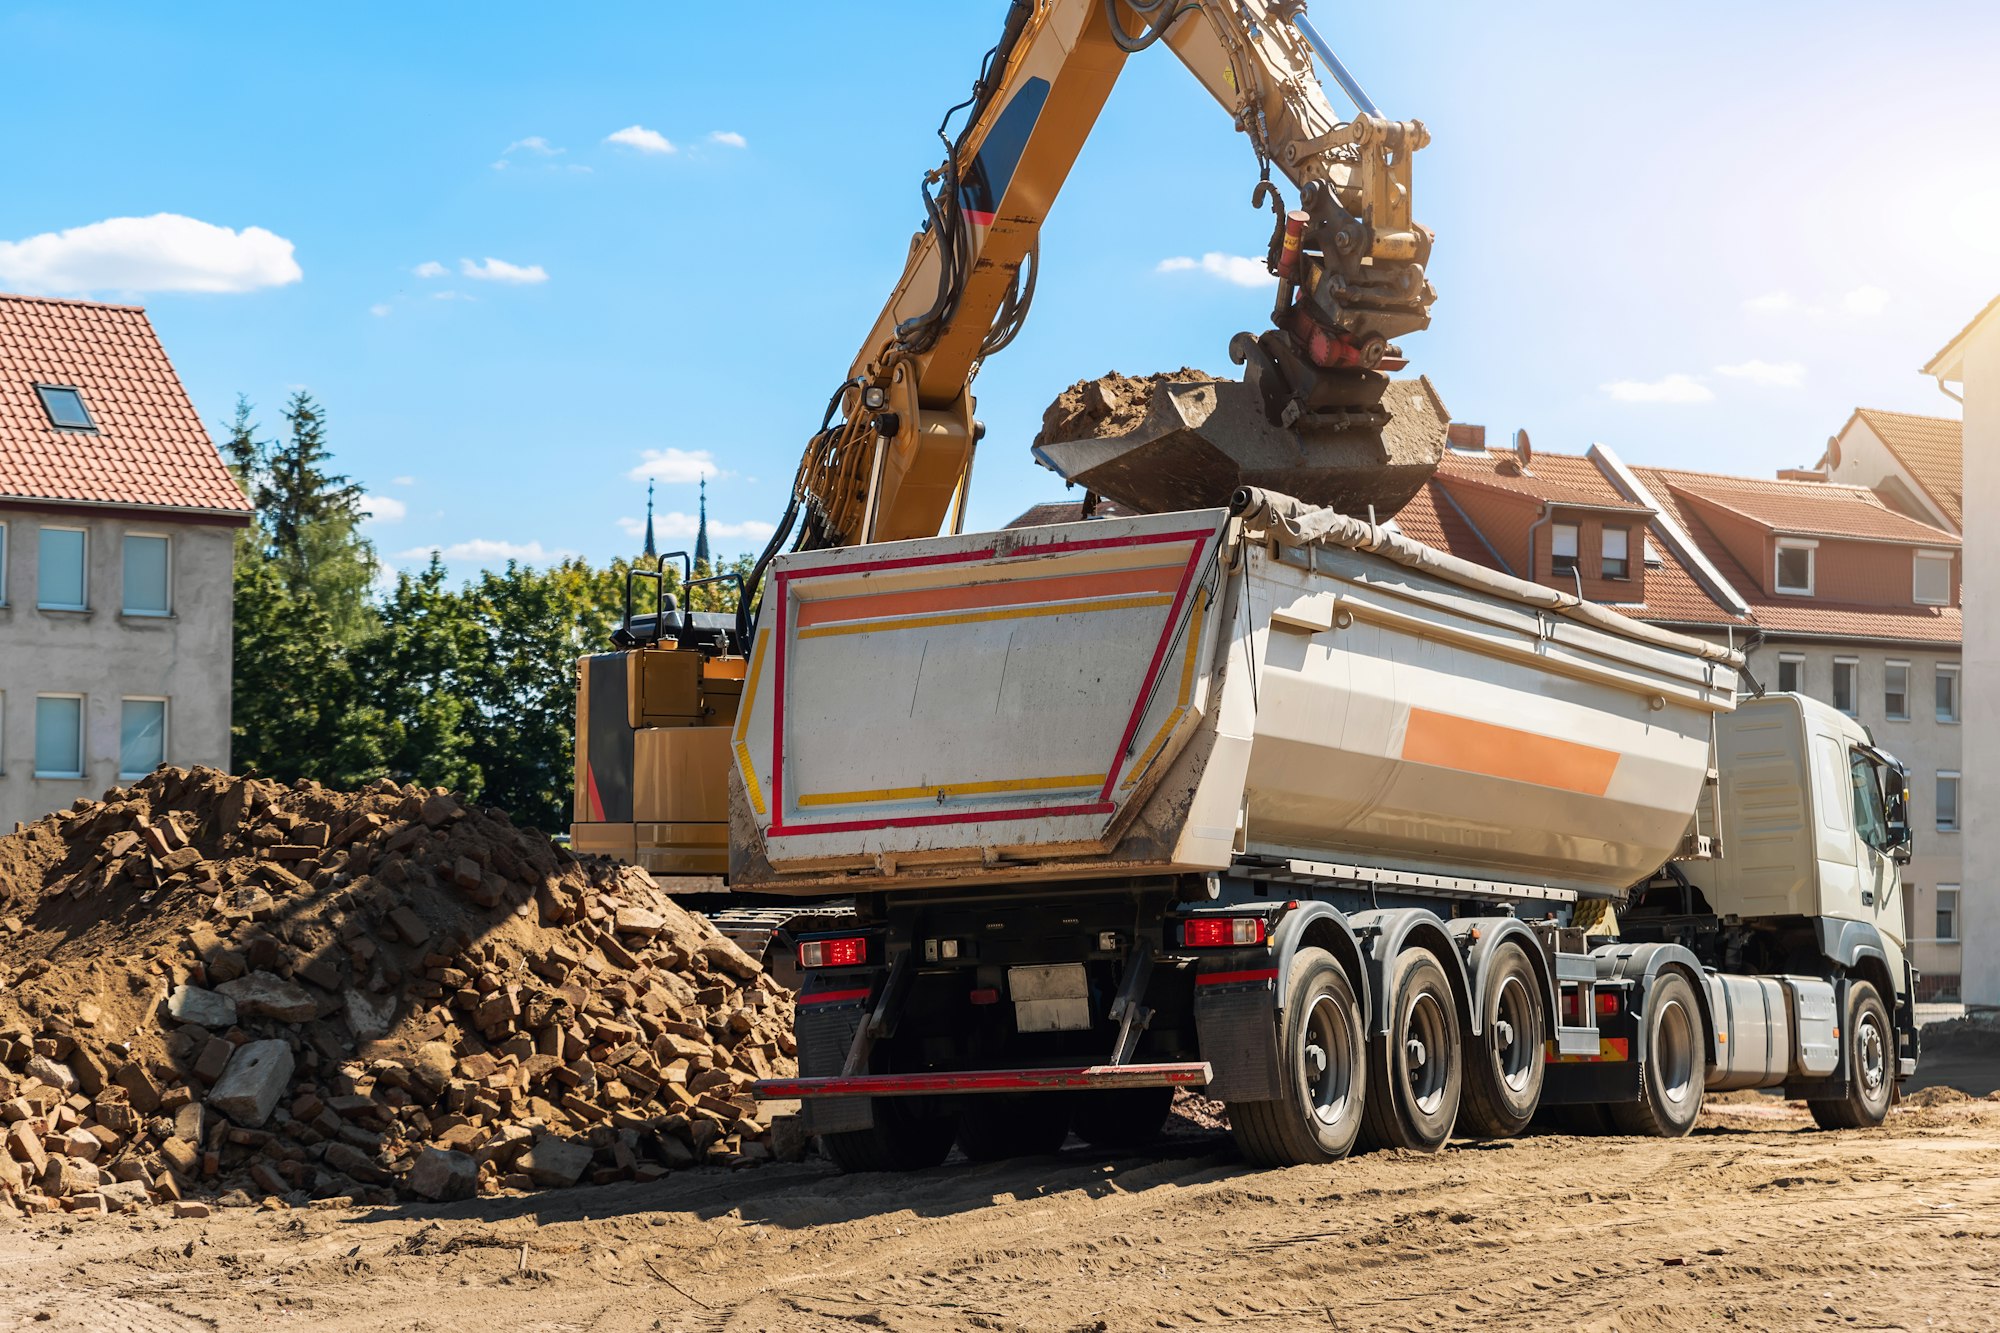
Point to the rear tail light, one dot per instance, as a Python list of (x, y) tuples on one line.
[(848, 951), (1214, 932), (1608, 1002)]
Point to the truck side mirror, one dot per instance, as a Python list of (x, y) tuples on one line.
[(1901, 841)]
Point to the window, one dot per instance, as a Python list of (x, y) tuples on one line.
[(1947, 914), (147, 571), (1563, 548), (1871, 813), (3, 564), (1947, 692), (1791, 673), (1617, 553), (59, 736), (142, 737), (1896, 691), (1947, 802), (61, 582), (65, 407), (1795, 567), (1931, 578), (1847, 685)]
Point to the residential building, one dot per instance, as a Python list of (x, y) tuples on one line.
[(1968, 369), (1913, 463), (118, 523)]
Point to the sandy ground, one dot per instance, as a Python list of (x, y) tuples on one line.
[(1758, 1221)]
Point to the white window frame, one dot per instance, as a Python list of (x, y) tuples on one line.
[(1888, 666), (1950, 669), (123, 607), (1854, 694), (1576, 554), (1811, 548), (1604, 551), (1916, 563), (1792, 659), (1957, 801), (166, 729), (1957, 907), (82, 731), (53, 606)]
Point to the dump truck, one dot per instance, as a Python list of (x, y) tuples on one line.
[(1374, 845)]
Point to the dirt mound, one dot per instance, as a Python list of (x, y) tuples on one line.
[(226, 987), (1936, 1097), (1108, 405)]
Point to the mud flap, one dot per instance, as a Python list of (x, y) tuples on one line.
[(1236, 1026), (824, 1033)]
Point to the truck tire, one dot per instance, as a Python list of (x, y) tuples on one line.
[(1323, 1060), (1673, 1075), (1870, 1042), (909, 1134), (1504, 1068), (996, 1126), (1121, 1117), (1417, 1074)]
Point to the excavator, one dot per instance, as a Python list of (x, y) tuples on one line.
[(1315, 411)]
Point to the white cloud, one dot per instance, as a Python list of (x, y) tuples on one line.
[(162, 253), (1242, 271), (384, 509), (1770, 374), (1770, 303), (1675, 388), (674, 526), (1865, 300), (675, 466), (449, 295), (499, 270), (631, 527), (729, 139), (643, 139), (403, 481), (380, 309), (430, 268), (534, 143), (485, 551)]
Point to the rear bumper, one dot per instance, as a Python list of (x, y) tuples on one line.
[(1192, 1074)]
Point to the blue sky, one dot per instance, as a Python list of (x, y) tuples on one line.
[(1701, 236)]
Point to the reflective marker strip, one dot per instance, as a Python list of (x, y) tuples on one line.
[(1608, 1048), (1233, 978), (835, 996)]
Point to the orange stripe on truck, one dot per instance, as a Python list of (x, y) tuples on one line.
[(1444, 741), (966, 597)]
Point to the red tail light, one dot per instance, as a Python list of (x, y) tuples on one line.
[(1221, 932), (848, 951), (1608, 1002)]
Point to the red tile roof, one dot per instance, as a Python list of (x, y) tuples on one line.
[(1065, 511), (1932, 448), (1801, 508), (1431, 518), (149, 448), (1817, 617), (1564, 479)]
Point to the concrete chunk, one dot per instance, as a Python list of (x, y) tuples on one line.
[(444, 1176), (264, 995), (250, 1087), (192, 1004), (556, 1162)]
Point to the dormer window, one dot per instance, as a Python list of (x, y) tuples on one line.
[(1617, 553), (1564, 537), (1931, 584), (1795, 567), (65, 407)]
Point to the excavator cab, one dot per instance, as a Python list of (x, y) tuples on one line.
[(653, 721)]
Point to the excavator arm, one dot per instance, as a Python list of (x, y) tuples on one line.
[(893, 456)]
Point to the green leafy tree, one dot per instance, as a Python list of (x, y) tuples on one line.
[(414, 668)]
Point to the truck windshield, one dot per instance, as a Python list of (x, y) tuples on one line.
[(1871, 817)]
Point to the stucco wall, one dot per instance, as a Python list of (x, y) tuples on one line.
[(106, 655), (1981, 386)]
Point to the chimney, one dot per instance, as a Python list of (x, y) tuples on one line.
[(1466, 438)]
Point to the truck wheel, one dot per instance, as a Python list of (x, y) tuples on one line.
[(1673, 1076), (1503, 1072), (910, 1134), (1417, 1074), (1121, 1117), (1871, 1045), (1324, 1067), (996, 1126)]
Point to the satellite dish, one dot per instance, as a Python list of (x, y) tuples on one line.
[(1522, 449)]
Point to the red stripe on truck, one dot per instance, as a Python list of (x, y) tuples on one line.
[(1236, 978), (834, 996)]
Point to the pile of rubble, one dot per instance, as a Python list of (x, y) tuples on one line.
[(216, 989)]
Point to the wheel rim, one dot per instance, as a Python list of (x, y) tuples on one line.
[(1515, 1049), (1328, 1061), (1872, 1056), (1673, 1053), (1426, 1061)]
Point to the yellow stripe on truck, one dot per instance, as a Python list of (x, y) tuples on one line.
[(976, 617), (743, 729), (949, 789)]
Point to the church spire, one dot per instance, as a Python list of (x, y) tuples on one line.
[(701, 557), (651, 552)]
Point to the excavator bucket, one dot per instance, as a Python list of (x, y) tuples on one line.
[(1187, 440)]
